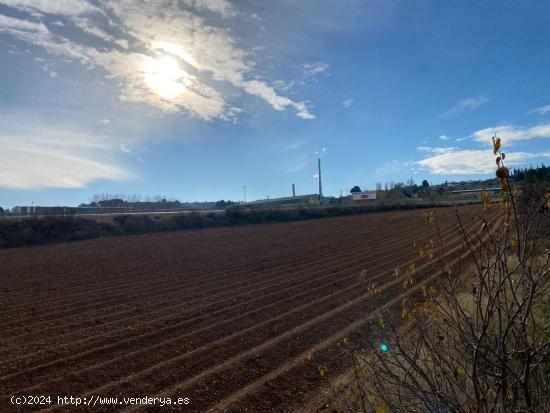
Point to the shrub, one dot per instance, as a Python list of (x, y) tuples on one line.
[(472, 334)]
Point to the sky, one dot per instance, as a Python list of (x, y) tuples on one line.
[(194, 99)]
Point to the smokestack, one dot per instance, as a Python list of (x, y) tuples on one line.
[(293, 191), (319, 173)]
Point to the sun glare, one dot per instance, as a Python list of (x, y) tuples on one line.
[(175, 50), (164, 76)]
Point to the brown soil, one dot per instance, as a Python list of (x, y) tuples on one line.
[(223, 316)]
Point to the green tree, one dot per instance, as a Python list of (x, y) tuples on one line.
[(355, 189)]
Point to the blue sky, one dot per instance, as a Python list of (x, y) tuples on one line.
[(195, 98)]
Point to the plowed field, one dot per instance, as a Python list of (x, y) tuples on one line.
[(225, 317)]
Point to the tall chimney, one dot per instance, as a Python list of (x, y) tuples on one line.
[(320, 186), (293, 191)]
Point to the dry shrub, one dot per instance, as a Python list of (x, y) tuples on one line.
[(474, 336)]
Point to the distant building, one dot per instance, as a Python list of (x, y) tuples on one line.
[(364, 196)]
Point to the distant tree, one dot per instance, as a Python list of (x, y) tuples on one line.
[(1, 211), (425, 183), (355, 189), (222, 204)]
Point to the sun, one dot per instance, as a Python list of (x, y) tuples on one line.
[(164, 76)]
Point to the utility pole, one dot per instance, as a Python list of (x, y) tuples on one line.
[(320, 185), (293, 191), (244, 190)]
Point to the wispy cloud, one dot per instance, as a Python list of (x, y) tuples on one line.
[(297, 163), (436, 149), (466, 162), (55, 7), (313, 69), (294, 145), (347, 103), (444, 138), (464, 105), (207, 52), (321, 152), (123, 148), (45, 156), (512, 133), (543, 110)]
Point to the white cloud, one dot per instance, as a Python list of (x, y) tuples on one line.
[(39, 35), (347, 103), (59, 7), (444, 138), (543, 110), (464, 162), (104, 121), (283, 86), (48, 156), (511, 133), (86, 25), (435, 150), (222, 7), (12, 25), (313, 69), (209, 54), (297, 163), (464, 105), (293, 145), (123, 148)]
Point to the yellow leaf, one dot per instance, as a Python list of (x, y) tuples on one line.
[(380, 409), (485, 199), (460, 371), (322, 371), (496, 144), (346, 341), (429, 217)]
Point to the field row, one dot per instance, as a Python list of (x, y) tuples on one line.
[(225, 317)]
